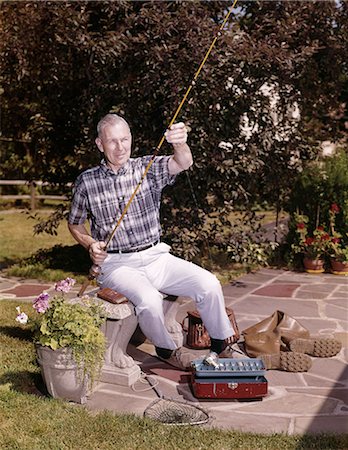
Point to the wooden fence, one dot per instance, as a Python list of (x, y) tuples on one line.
[(33, 194)]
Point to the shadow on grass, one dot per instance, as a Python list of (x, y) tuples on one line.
[(7, 262), (18, 333), (25, 382), (73, 258)]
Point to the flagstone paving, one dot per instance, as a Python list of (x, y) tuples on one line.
[(312, 402)]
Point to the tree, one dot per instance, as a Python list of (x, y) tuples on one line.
[(137, 59)]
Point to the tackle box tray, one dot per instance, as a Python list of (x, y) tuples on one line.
[(229, 367)]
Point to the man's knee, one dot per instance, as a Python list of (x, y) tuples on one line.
[(210, 285), (151, 304)]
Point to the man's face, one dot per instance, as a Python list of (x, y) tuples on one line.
[(115, 142)]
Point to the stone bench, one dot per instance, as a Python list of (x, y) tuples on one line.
[(119, 367)]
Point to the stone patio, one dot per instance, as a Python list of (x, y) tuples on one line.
[(312, 402)]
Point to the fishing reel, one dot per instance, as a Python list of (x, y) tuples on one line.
[(212, 359), (94, 272)]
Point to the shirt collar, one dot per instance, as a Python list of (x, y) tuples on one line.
[(107, 171)]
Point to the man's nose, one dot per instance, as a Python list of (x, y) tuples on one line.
[(118, 146)]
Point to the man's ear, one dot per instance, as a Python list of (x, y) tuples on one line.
[(99, 144)]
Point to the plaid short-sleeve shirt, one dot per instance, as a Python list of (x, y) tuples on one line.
[(100, 195)]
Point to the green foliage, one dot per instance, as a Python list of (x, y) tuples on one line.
[(96, 57), (338, 245), (38, 272), (246, 244), (74, 326), (315, 246), (320, 193), (322, 185), (339, 253), (251, 254)]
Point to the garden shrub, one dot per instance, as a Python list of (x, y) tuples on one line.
[(320, 185)]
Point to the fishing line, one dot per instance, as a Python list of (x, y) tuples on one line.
[(95, 269)]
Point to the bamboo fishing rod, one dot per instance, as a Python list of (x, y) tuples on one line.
[(95, 269)]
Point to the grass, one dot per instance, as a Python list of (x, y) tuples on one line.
[(31, 421), (18, 239), (63, 256)]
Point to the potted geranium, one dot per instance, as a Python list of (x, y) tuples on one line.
[(338, 248), (69, 342), (313, 247)]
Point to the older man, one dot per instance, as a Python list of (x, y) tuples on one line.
[(136, 263)]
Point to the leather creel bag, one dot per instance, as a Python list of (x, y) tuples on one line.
[(111, 296), (198, 336)]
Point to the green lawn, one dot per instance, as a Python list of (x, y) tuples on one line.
[(18, 239), (64, 257), (31, 421)]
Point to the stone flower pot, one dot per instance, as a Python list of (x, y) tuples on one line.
[(60, 374), (313, 265)]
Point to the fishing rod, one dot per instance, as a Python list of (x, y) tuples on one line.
[(95, 269)]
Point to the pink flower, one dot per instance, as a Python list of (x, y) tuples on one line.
[(335, 240), (41, 303), (64, 285), (301, 226)]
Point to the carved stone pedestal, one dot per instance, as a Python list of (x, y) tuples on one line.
[(120, 368)]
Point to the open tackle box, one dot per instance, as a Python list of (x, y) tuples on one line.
[(238, 378)]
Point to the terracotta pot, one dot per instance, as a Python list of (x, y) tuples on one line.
[(60, 374), (313, 265), (339, 267)]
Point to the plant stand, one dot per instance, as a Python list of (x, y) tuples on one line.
[(120, 368)]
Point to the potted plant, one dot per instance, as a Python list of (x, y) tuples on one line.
[(313, 247), (69, 343), (338, 248)]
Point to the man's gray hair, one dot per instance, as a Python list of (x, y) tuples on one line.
[(109, 119)]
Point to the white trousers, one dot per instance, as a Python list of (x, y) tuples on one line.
[(142, 276)]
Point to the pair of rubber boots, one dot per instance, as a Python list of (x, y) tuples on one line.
[(281, 342)]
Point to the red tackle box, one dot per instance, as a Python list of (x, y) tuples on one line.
[(238, 388), (235, 379)]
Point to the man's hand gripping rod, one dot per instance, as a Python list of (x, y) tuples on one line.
[(94, 271)]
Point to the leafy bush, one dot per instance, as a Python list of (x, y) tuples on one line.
[(247, 244), (321, 184), (251, 253)]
